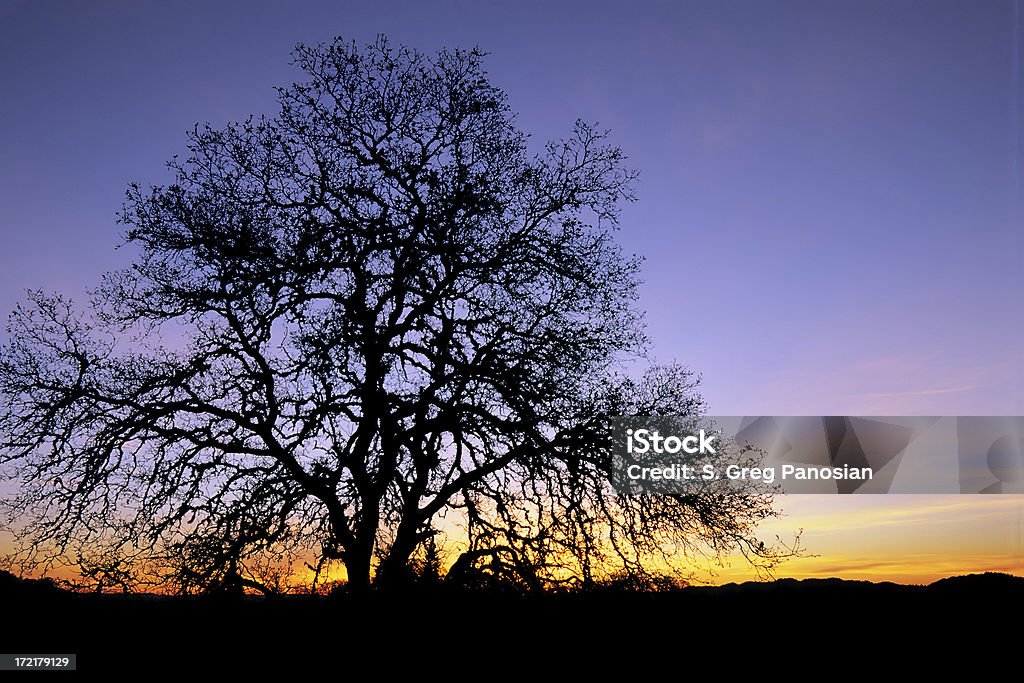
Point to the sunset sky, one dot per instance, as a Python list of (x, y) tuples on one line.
[(830, 200)]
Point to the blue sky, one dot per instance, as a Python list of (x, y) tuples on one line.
[(830, 200)]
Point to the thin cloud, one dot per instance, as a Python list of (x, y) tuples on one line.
[(914, 565), (921, 392)]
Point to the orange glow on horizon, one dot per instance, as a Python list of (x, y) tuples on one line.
[(909, 539)]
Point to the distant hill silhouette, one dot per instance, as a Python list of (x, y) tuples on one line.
[(16, 588), (13, 587)]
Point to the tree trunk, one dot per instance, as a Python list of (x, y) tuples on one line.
[(394, 570), (357, 566)]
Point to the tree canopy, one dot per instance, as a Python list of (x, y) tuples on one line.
[(375, 321)]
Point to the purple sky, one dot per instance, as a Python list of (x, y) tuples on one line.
[(830, 197)]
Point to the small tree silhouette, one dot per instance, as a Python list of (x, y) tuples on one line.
[(389, 311)]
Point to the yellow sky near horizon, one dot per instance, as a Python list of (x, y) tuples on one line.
[(910, 539)]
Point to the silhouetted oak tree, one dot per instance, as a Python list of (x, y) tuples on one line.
[(350, 322)]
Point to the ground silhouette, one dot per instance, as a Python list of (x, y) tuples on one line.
[(789, 622)]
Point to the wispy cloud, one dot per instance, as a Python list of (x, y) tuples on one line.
[(921, 392), (923, 567)]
